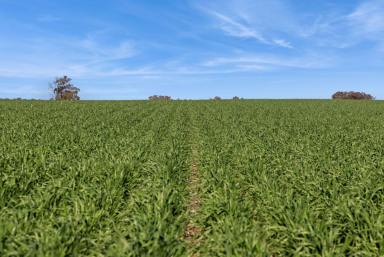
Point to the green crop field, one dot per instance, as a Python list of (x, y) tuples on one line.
[(192, 178)]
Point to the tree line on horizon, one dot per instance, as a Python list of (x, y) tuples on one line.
[(63, 90)]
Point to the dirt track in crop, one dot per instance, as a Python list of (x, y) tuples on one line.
[(192, 231)]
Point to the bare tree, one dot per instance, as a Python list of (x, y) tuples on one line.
[(63, 89)]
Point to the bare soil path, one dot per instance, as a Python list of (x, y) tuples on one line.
[(192, 232)]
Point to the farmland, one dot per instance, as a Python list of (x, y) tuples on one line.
[(251, 177)]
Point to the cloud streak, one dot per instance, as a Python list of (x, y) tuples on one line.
[(240, 26), (344, 30), (368, 18), (236, 29), (270, 62), (40, 57)]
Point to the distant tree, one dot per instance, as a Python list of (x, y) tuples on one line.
[(217, 98), (352, 95), (235, 98), (63, 89), (159, 97)]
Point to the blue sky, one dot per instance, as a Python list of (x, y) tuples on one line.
[(130, 49)]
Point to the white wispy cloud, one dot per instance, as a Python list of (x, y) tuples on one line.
[(342, 30), (100, 52), (283, 43), (366, 23), (237, 21), (237, 29), (271, 62), (338, 29), (100, 71), (368, 18), (41, 57)]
